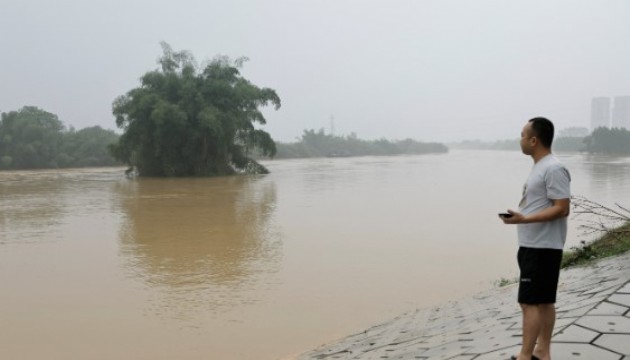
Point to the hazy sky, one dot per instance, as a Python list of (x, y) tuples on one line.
[(430, 70)]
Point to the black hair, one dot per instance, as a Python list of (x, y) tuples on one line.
[(543, 129)]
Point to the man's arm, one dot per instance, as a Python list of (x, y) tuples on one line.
[(560, 208)]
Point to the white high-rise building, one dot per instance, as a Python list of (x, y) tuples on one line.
[(600, 112), (621, 112)]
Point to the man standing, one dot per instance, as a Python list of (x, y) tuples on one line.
[(542, 229)]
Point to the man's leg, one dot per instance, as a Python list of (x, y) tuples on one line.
[(547, 322), (531, 330)]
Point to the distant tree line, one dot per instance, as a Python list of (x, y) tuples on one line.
[(32, 138), (511, 144), (319, 144), (569, 144), (615, 141)]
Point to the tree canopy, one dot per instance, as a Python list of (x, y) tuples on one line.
[(189, 121), (615, 141), (609, 141), (319, 144), (32, 138)]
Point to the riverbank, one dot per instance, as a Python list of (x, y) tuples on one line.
[(593, 312), (614, 242)]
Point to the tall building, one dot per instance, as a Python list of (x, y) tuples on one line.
[(600, 112), (621, 112)]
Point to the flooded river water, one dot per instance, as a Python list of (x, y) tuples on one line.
[(97, 266)]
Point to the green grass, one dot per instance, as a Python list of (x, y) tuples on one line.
[(610, 244)]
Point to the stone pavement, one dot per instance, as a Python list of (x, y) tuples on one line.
[(593, 323)]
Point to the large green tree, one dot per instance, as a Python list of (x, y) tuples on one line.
[(189, 121), (30, 138)]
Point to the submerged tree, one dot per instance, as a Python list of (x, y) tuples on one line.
[(187, 121)]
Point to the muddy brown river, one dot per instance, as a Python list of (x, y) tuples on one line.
[(97, 266)]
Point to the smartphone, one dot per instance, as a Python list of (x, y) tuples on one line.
[(506, 215)]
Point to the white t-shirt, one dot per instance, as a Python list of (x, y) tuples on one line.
[(549, 180)]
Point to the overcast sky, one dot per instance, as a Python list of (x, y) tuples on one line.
[(438, 70)]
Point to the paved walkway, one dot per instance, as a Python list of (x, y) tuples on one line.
[(593, 323)]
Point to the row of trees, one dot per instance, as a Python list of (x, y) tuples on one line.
[(32, 138), (603, 140), (559, 144), (183, 120), (615, 141), (319, 144), (190, 120), (512, 144)]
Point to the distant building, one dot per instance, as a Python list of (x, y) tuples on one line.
[(600, 112), (621, 112)]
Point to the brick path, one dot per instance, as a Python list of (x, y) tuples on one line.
[(593, 312)]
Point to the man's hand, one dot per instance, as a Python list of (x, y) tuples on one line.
[(560, 208), (516, 218)]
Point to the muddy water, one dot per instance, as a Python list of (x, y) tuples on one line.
[(96, 266)]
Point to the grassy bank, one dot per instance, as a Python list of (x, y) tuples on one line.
[(612, 243)]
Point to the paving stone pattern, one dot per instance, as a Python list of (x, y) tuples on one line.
[(593, 323)]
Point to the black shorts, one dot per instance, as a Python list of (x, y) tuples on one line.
[(540, 270)]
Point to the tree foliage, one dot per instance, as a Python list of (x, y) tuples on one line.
[(573, 132), (569, 143), (189, 121), (88, 147), (507, 144), (562, 144), (603, 140), (32, 138), (319, 144)]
